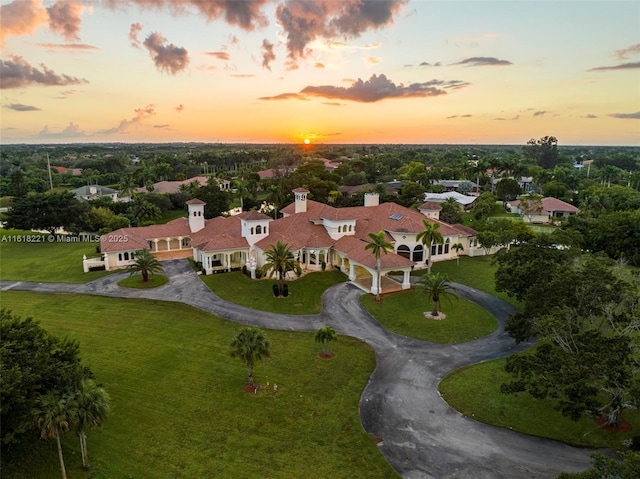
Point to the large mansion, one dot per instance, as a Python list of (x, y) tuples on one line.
[(320, 236)]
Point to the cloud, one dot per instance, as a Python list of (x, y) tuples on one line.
[(304, 22), (241, 75), (625, 52), (483, 61), (626, 116), (169, 58), (332, 103), (458, 116), (623, 66), (134, 30), (285, 96), (267, 54), (380, 88), (372, 60), (21, 107), (517, 117), (179, 108), (163, 127), (245, 14), (540, 113), (17, 73), (21, 17), (64, 18), (71, 131), (141, 115), (426, 64), (319, 65), (68, 46), (219, 55), (590, 115)]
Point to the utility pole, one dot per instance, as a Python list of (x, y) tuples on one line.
[(49, 168)]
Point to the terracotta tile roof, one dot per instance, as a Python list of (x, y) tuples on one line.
[(129, 239), (551, 204), (215, 227), (429, 206), (355, 250), (301, 190), (195, 201), (253, 216), (298, 231), (174, 186)]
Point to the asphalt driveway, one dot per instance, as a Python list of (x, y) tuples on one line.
[(422, 436)]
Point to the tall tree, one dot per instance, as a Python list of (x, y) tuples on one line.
[(53, 415), (428, 237), (531, 205), (92, 408), (279, 259), (378, 245), (544, 151), (145, 264), (436, 285), (250, 345)]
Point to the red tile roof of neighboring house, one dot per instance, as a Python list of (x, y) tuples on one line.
[(429, 206), (551, 204), (174, 186), (130, 239)]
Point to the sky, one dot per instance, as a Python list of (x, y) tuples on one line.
[(326, 71)]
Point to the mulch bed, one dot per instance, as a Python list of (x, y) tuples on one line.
[(622, 426), (327, 356)]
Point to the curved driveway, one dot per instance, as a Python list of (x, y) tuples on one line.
[(422, 436)]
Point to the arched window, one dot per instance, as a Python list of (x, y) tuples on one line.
[(404, 251), (339, 229), (252, 230), (440, 248), (119, 256), (265, 230), (258, 230), (126, 256), (418, 253), (446, 246), (350, 227)]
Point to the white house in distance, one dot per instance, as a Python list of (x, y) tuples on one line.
[(92, 192), (465, 201), (553, 210), (319, 235)]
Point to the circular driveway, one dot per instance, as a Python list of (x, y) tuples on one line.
[(421, 435)]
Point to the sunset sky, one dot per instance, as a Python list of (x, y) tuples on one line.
[(352, 71)]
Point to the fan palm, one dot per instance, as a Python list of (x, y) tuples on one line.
[(378, 245), (250, 345), (145, 264), (92, 409), (428, 237), (457, 248), (436, 285), (53, 416), (280, 259), (325, 336)]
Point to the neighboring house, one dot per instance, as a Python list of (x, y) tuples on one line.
[(71, 171), (92, 192), (453, 185), (350, 191), (553, 210), (171, 187), (463, 200), (319, 235)]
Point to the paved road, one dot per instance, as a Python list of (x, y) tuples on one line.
[(422, 437)]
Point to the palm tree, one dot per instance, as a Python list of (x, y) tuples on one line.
[(457, 248), (428, 237), (436, 285), (145, 263), (53, 416), (325, 336), (378, 245), (280, 259), (250, 345), (92, 409)]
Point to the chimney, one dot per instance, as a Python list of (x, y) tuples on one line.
[(300, 195), (371, 199), (196, 214)]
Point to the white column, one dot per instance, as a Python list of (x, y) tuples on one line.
[(406, 280), (156, 243), (352, 272), (374, 284), (168, 240), (180, 242)]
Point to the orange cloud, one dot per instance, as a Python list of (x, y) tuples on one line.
[(21, 17), (17, 73), (64, 18)]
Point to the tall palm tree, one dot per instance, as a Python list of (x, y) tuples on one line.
[(280, 259), (53, 416), (457, 248), (428, 237), (145, 263), (92, 409), (250, 345), (325, 336), (436, 285), (378, 245)]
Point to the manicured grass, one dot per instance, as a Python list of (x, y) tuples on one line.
[(45, 260), (477, 272), (403, 313), (305, 293), (135, 281), (178, 406), (475, 392)]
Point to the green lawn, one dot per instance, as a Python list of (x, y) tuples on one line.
[(477, 272), (403, 313), (475, 392), (172, 215), (178, 407), (45, 260), (305, 293)]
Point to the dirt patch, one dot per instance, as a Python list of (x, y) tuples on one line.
[(439, 317), (327, 356), (622, 426)]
